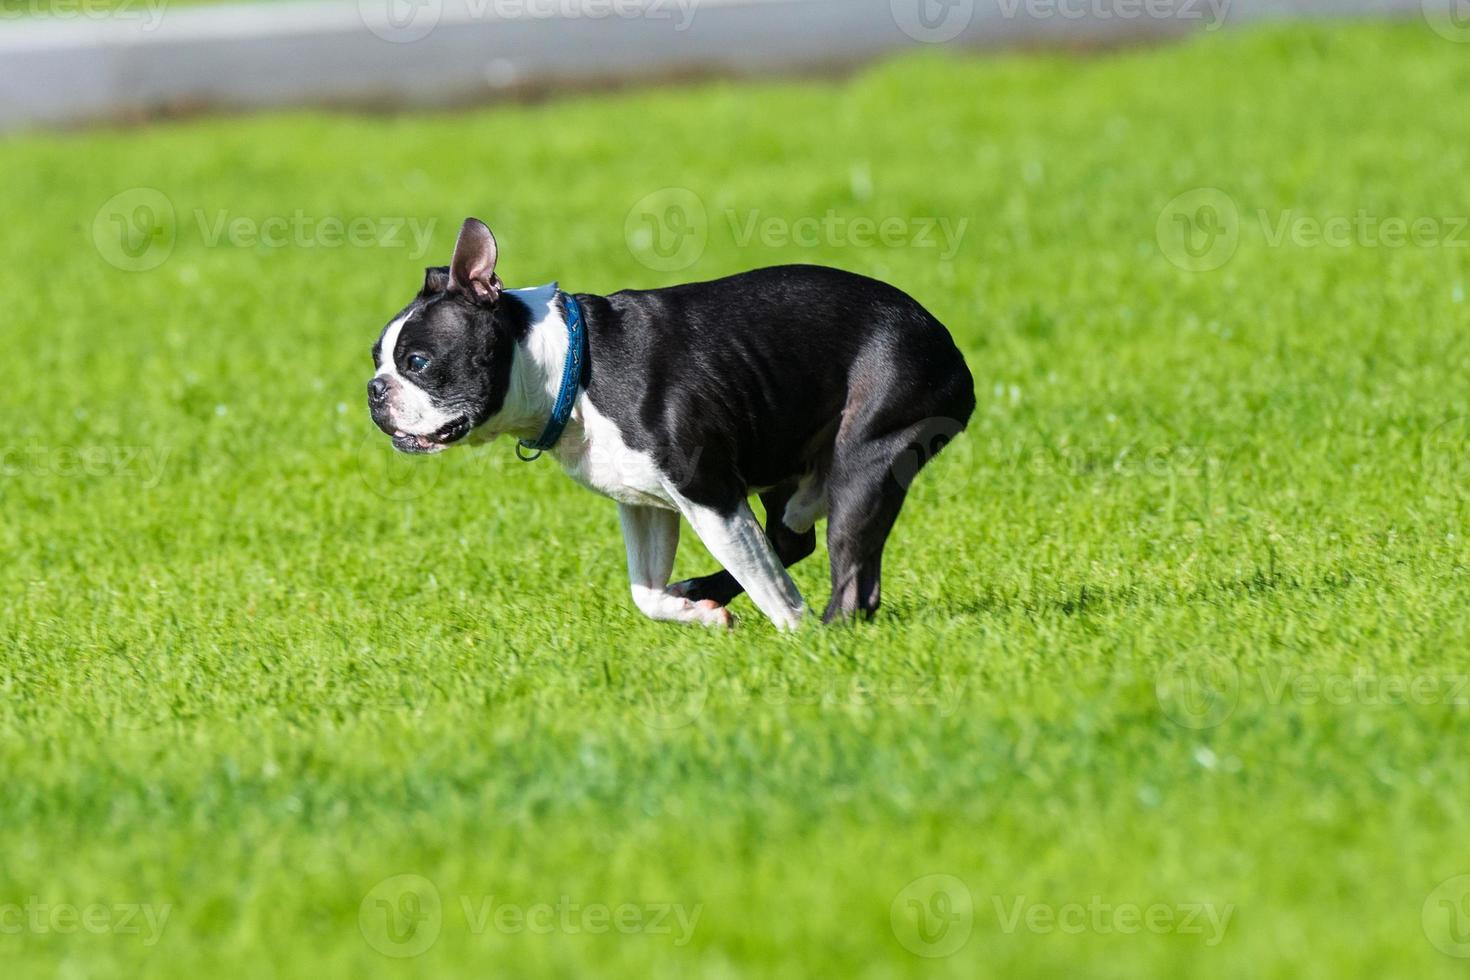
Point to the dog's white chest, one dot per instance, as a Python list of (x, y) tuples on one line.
[(601, 461)]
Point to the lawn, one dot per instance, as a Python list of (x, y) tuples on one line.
[(1171, 677)]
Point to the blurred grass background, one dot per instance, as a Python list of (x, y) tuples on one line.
[(253, 665)]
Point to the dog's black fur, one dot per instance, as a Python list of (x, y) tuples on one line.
[(751, 382), (737, 386)]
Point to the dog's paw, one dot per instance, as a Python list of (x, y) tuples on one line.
[(706, 612), (714, 614)]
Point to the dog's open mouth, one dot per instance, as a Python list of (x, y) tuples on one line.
[(435, 442)]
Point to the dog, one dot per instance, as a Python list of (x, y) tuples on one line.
[(822, 391)]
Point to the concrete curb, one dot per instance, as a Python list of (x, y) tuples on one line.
[(145, 57)]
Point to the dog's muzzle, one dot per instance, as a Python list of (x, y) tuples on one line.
[(434, 442), (381, 391)]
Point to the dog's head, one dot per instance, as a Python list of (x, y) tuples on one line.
[(443, 363)]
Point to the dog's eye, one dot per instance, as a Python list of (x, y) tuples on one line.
[(417, 362)]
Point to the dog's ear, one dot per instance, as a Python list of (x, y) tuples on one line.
[(436, 280), (472, 270)]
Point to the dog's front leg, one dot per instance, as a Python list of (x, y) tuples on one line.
[(738, 542), (652, 537)]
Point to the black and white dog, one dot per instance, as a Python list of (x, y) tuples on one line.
[(819, 390)]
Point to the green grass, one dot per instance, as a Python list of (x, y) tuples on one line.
[(259, 665)]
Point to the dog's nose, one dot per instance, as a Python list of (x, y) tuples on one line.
[(377, 390)]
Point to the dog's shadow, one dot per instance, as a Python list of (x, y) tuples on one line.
[(1088, 599)]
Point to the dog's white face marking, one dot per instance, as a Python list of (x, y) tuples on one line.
[(410, 409)]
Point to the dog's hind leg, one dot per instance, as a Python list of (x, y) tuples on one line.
[(865, 501), (892, 425), (870, 478), (652, 538), (791, 545)]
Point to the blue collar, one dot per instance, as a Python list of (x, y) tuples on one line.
[(571, 382)]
